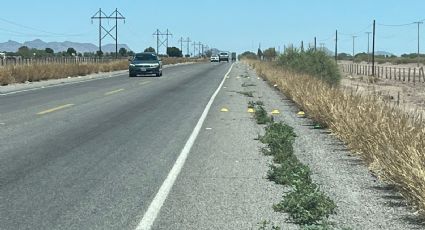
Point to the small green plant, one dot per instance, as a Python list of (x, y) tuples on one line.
[(289, 173), (247, 84), (264, 225), (251, 104), (306, 205), (260, 103), (261, 116), (247, 93)]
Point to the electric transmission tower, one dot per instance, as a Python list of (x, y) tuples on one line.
[(187, 45), (160, 42), (116, 15), (194, 44)]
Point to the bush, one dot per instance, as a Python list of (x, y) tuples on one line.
[(261, 116), (315, 63), (289, 172), (306, 204)]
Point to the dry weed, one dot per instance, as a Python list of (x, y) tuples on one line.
[(389, 140)]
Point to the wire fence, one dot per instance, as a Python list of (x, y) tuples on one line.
[(405, 74), (16, 61)]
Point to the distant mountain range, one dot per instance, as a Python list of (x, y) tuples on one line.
[(13, 46)]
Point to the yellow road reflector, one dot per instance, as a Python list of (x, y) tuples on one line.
[(224, 109), (275, 111), (114, 91), (251, 110), (55, 109), (301, 114)]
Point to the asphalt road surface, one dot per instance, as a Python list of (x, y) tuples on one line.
[(93, 155)]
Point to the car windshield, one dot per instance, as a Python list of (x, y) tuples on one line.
[(223, 53), (145, 57)]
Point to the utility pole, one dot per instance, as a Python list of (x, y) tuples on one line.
[(315, 48), (368, 53), (199, 49), (373, 50), (188, 44), (354, 37), (166, 39), (157, 34), (418, 40), (194, 47), (336, 45), (204, 48), (181, 44), (302, 46), (115, 15), (322, 46)]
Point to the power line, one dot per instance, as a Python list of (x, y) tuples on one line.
[(396, 25), (38, 30)]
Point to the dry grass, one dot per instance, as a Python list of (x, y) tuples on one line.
[(38, 72), (389, 140)]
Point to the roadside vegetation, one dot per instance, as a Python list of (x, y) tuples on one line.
[(305, 203), (390, 141), (314, 63), (37, 72)]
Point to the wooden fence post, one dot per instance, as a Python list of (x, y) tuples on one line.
[(408, 75), (404, 75), (414, 76)]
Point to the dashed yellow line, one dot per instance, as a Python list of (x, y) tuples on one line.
[(144, 83), (114, 91), (55, 109)]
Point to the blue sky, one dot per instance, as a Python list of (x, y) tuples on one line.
[(237, 25)]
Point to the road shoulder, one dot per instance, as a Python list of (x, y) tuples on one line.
[(223, 184)]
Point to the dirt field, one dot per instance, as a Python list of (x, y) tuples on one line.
[(409, 96)]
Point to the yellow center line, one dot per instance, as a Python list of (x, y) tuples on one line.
[(55, 109), (114, 91), (144, 83)]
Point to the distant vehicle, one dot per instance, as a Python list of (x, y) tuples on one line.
[(2, 55), (233, 56), (223, 56), (145, 63), (215, 58)]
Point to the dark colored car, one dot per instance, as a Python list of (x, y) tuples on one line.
[(146, 63)]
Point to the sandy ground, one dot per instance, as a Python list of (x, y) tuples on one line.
[(409, 96)]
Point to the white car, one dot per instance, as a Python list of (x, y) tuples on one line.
[(215, 58), (223, 56)]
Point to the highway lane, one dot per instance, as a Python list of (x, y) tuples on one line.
[(92, 155)]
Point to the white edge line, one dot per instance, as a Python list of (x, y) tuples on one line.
[(156, 204)]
